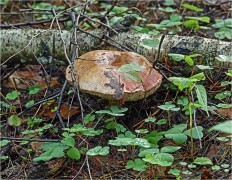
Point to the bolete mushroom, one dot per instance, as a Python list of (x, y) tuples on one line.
[(115, 75)]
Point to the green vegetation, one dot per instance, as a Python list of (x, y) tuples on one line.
[(172, 124)]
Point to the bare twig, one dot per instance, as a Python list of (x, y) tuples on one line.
[(31, 140)]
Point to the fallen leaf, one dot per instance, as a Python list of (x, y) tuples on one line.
[(206, 173), (225, 112), (67, 112), (53, 82), (36, 145), (212, 151)]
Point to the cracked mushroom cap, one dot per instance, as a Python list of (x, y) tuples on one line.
[(115, 75)]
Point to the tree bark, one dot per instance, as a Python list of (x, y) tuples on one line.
[(47, 46)]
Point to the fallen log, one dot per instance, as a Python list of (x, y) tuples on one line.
[(31, 46)]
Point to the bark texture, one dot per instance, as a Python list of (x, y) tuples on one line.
[(46, 46)]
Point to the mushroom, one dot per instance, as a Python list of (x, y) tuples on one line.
[(115, 75)]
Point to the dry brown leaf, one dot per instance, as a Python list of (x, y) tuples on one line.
[(212, 151), (225, 112), (49, 113), (67, 112), (36, 145), (54, 82)]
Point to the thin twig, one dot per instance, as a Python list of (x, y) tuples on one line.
[(28, 139), (40, 102), (158, 55), (59, 104)]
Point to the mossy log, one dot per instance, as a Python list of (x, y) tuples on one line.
[(47, 46)]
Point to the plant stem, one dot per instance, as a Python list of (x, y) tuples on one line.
[(191, 128)]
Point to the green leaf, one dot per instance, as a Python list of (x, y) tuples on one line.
[(167, 9), (182, 163), (175, 172), (137, 165), (219, 23), (225, 127), (176, 133), (196, 132), (162, 159), (34, 89), (215, 168), (131, 67), (74, 153), (14, 120), (141, 29), (202, 97), (202, 67), (31, 121), (203, 161), (161, 121), (169, 149), (98, 150), (127, 134), (92, 132), (129, 141), (175, 17), (89, 118), (4, 2), (152, 43), (223, 95), (141, 131), (29, 103), (4, 104), (222, 105), (189, 60), (169, 23), (176, 57), (153, 32), (148, 151), (12, 96), (192, 166), (154, 137), (68, 141), (191, 24), (169, 3), (183, 101), (4, 142), (114, 111), (229, 73), (223, 33), (140, 142), (192, 7), (228, 22), (4, 157), (118, 9), (52, 150), (114, 125), (198, 77), (224, 139), (133, 76), (181, 83), (226, 83), (203, 18), (225, 165), (150, 119), (168, 106)]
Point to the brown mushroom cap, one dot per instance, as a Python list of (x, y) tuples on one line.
[(97, 73)]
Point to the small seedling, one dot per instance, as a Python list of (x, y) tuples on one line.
[(137, 165), (98, 150)]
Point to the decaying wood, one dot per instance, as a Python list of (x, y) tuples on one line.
[(33, 45)]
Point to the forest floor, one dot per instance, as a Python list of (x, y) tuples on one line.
[(30, 97)]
